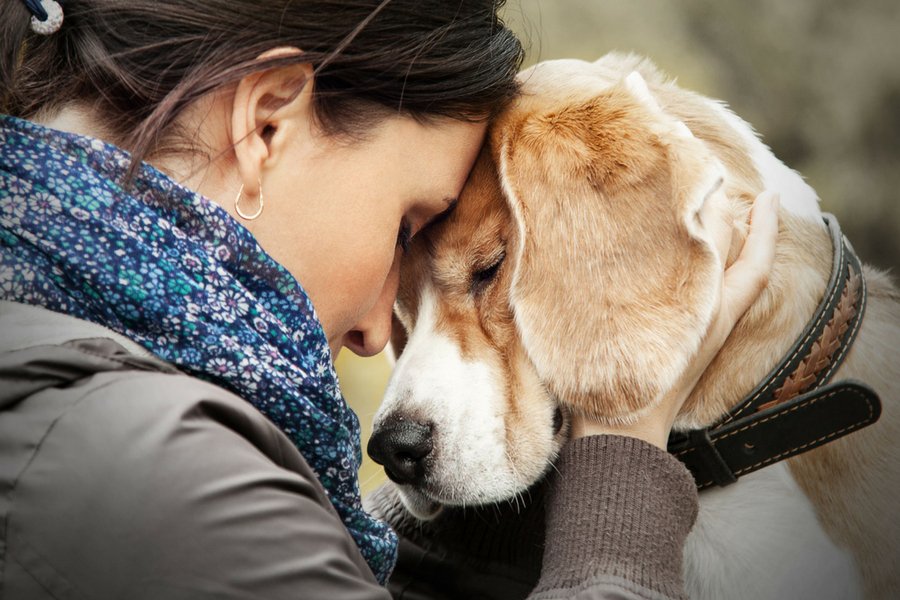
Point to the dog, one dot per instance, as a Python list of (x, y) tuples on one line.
[(578, 274)]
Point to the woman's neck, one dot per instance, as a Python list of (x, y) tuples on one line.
[(194, 170), (73, 118)]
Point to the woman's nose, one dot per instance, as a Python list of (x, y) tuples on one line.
[(371, 334)]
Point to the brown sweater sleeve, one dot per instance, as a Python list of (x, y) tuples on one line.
[(616, 514)]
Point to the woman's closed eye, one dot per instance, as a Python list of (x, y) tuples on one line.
[(406, 231), (404, 235)]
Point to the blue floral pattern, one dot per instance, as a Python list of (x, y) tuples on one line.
[(174, 272)]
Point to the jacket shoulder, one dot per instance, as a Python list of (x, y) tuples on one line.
[(161, 485)]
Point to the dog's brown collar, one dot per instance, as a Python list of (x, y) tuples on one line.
[(794, 409)]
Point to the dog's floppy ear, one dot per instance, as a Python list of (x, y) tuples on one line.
[(614, 279)]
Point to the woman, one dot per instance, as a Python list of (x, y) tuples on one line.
[(170, 173)]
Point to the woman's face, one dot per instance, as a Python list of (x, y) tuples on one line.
[(335, 210)]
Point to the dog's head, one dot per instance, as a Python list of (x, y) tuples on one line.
[(578, 272)]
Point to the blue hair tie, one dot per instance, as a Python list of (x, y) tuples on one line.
[(46, 15)]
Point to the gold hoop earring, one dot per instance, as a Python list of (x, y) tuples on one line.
[(237, 205)]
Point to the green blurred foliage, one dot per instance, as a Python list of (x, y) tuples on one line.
[(363, 381), (818, 79)]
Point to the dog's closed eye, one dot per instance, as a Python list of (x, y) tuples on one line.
[(482, 278)]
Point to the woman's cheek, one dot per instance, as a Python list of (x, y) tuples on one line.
[(364, 284)]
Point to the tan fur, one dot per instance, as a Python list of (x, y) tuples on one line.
[(599, 168), (609, 282)]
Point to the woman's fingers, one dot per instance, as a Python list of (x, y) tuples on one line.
[(743, 281), (748, 276)]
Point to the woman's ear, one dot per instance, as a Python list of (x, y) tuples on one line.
[(268, 108), (612, 290)]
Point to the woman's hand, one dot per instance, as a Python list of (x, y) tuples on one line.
[(742, 283)]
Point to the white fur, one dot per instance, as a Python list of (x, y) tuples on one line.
[(683, 131), (797, 196), (464, 401), (638, 87), (760, 538)]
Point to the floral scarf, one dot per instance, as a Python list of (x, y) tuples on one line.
[(172, 271)]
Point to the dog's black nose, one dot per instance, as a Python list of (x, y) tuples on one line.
[(401, 445)]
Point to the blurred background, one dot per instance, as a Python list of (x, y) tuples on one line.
[(818, 79)]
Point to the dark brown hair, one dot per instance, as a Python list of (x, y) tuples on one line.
[(140, 63)]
